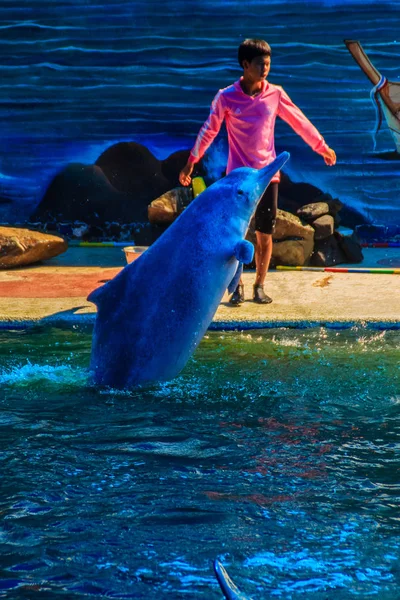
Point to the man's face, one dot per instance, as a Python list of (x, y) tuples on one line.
[(258, 68)]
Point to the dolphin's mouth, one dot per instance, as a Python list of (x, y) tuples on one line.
[(267, 173)]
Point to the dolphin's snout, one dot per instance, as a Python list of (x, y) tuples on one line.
[(267, 173), (264, 175), (281, 159)]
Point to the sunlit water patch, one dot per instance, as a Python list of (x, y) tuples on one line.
[(277, 451)]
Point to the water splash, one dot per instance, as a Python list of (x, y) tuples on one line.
[(33, 375)]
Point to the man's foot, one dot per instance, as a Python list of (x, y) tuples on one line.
[(237, 296), (260, 296)]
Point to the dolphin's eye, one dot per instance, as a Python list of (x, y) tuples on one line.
[(240, 192)]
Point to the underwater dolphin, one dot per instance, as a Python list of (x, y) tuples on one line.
[(229, 589), (153, 314)]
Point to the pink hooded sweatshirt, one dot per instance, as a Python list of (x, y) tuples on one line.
[(250, 122)]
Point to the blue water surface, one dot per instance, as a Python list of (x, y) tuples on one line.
[(78, 76), (277, 451)]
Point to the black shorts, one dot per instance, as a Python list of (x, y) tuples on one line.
[(265, 217)]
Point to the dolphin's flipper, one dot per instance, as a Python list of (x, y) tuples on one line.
[(244, 251), (229, 589), (236, 278)]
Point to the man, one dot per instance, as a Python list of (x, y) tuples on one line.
[(249, 108)]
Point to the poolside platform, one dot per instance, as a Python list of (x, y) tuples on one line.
[(55, 292)]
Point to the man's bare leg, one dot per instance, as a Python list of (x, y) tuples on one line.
[(263, 257)]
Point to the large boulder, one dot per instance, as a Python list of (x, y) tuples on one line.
[(174, 163), (111, 197), (125, 179), (290, 226), (327, 253), (293, 196), (81, 193), (166, 208), (313, 211), (296, 194), (293, 241), (350, 246), (291, 253), (323, 226), (20, 247), (335, 205), (131, 168)]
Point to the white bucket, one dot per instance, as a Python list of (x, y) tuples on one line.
[(133, 252)]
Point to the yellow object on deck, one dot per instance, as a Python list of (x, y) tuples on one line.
[(198, 186)]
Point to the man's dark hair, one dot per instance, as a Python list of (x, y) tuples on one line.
[(249, 49)]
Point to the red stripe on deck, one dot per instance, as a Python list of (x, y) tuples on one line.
[(336, 270), (53, 285)]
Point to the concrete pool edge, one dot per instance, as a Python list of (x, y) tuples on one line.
[(57, 296), (88, 319)]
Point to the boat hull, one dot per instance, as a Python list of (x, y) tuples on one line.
[(385, 92)]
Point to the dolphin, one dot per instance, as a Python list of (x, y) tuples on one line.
[(229, 589), (153, 314)]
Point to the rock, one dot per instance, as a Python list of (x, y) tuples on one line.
[(288, 204), (132, 169), (292, 196), (293, 241), (311, 212), (166, 208), (337, 220), (119, 187), (172, 166), (286, 250), (351, 217), (323, 226), (300, 193), (139, 234), (20, 247), (291, 253), (122, 183), (288, 225), (82, 193), (334, 204), (327, 253), (350, 246)]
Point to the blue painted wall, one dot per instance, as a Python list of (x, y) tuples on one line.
[(80, 75)]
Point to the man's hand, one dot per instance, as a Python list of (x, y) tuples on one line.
[(329, 157), (185, 174)]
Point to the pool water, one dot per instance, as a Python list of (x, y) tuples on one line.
[(277, 451)]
